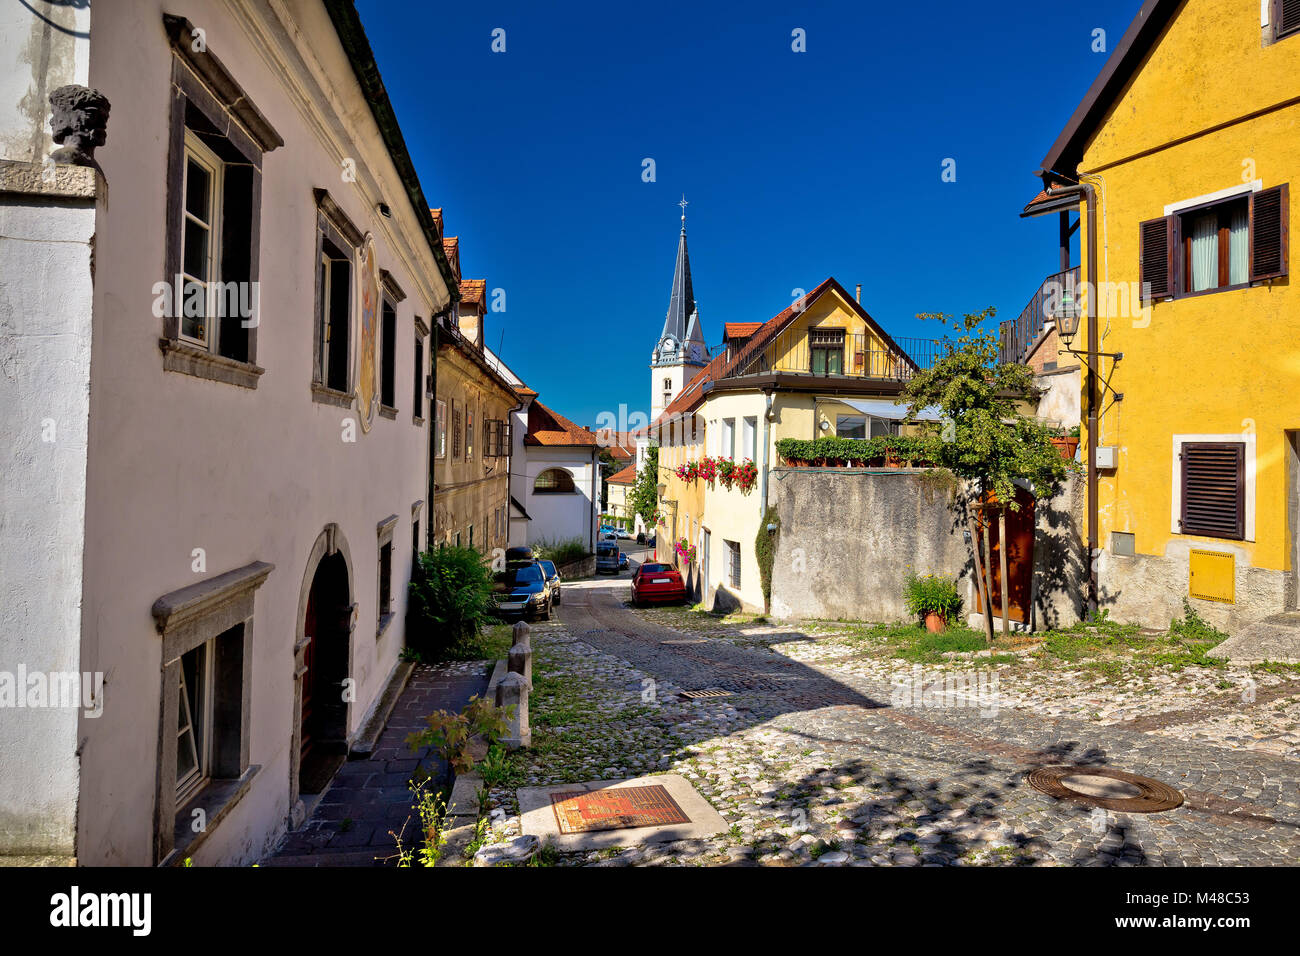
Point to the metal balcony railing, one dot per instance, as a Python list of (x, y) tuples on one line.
[(832, 352), (1059, 290)]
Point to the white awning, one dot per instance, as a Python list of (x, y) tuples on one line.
[(888, 410)]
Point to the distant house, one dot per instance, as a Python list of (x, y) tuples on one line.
[(619, 490)]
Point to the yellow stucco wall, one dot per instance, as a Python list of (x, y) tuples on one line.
[(1226, 363), (789, 350)]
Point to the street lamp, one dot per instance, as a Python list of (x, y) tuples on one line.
[(1067, 325)]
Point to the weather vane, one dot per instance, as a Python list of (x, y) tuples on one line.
[(683, 204)]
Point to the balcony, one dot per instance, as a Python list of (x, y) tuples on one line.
[(1058, 291), (834, 353)]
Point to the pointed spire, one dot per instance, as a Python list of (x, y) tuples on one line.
[(681, 304)]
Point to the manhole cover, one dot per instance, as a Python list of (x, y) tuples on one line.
[(615, 809), (704, 694), (1106, 788)]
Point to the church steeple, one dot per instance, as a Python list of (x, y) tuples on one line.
[(681, 324)]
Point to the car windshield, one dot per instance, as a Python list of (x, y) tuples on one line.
[(528, 574), (606, 550), (548, 567), (654, 568)]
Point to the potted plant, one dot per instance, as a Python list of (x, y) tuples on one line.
[(1067, 442), (932, 598)]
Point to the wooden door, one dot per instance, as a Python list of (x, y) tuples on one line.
[(1020, 558)]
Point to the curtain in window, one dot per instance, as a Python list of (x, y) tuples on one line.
[(1238, 245), (1205, 253)]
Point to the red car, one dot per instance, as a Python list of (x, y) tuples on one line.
[(657, 583)]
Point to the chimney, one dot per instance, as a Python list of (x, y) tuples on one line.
[(859, 294)]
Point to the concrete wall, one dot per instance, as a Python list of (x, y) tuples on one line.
[(558, 517), (45, 320), (849, 537), (43, 46), (177, 463)]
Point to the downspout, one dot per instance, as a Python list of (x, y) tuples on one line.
[(1089, 194), (762, 471)]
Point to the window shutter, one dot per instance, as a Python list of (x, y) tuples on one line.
[(1157, 249), (1214, 489), (1286, 17), (1269, 231)]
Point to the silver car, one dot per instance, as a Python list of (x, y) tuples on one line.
[(607, 557)]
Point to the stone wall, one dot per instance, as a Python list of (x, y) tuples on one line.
[(849, 537)]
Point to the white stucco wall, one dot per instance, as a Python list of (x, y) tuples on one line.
[(45, 298), (558, 517), (178, 463), (42, 46)]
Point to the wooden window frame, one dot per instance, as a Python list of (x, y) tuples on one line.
[(1245, 454), (388, 356), (559, 488), (199, 153), (1275, 22)]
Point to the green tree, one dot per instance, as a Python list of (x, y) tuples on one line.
[(607, 467), (985, 439), (645, 493), (449, 598)]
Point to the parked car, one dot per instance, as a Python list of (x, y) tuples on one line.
[(623, 534), (622, 560), (650, 542), (657, 583), (640, 537), (522, 592), (552, 579), (607, 557), (608, 536), (516, 557)]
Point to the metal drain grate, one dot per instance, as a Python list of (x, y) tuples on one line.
[(704, 694), (1106, 788)]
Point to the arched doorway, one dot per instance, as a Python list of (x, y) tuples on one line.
[(322, 666), (323, 715)]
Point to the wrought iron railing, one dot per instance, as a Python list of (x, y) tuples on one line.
[(1059, 290)]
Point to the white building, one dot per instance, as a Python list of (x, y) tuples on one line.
[(214, 515)]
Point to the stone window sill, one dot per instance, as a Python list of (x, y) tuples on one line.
[(417, 420), (330, 396), (387, 411), (188, 360), (216, 800)]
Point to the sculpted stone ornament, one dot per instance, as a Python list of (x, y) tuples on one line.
[(79, 124)]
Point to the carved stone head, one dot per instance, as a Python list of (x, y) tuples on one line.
[(79, 123)]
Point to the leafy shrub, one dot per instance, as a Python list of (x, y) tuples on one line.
[(932, 594), (910, 449), (561, 552), (450, 591), (765, 552)]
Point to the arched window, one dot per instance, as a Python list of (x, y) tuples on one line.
[(553, 481)]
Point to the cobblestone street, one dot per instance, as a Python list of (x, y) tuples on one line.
[(809, 763)]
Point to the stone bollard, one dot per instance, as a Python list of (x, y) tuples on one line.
[(512, 693), (519, 660), (520, 634)]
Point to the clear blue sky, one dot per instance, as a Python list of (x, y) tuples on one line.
[(797, 165)]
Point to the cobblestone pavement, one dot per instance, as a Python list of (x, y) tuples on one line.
[(369, 800), (811, 764)]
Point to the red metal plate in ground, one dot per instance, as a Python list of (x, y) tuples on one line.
[(615, 809)]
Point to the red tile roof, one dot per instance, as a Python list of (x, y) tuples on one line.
[(474, 291), (437, 219), (693, 393), (626, 476), (740, 330), (451, 246), (547, 427)]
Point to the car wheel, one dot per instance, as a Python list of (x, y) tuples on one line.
[(557, 598)]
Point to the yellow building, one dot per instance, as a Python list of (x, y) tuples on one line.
[(1177, 164), (821, 367)]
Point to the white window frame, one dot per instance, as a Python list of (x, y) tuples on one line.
[(1176, 483), (201, 744), (202, 155), (866, 425), (440, 426), (749, 437), (728, 449)]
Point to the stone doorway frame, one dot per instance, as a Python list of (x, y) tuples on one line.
[(331, 541)]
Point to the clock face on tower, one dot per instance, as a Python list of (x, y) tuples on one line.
[(697, 353)]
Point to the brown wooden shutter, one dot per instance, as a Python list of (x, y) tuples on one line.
[(1156, 257), (1269, 232), (1286, 18), (1214, 489)]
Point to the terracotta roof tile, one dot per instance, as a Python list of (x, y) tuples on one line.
[(740, 330), (451, 246), (437, 219), (473, 290), (547, 427), (626, 476)]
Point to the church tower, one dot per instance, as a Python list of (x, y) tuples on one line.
[(680, 352)]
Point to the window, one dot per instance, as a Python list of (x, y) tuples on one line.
[(415, 536), (469, 434), (827, 351), (471, 536), (733, 563), (194, 723), (1284, 15), (334, 318), (206, 632), (388, 355), (1213, 493), (749, 439), (209, 299), (417, 398), (553, 481), (881, 427), (1223, 244), (728, 449), (851, 426), (384, 591), (456, 433), (440, 425)]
